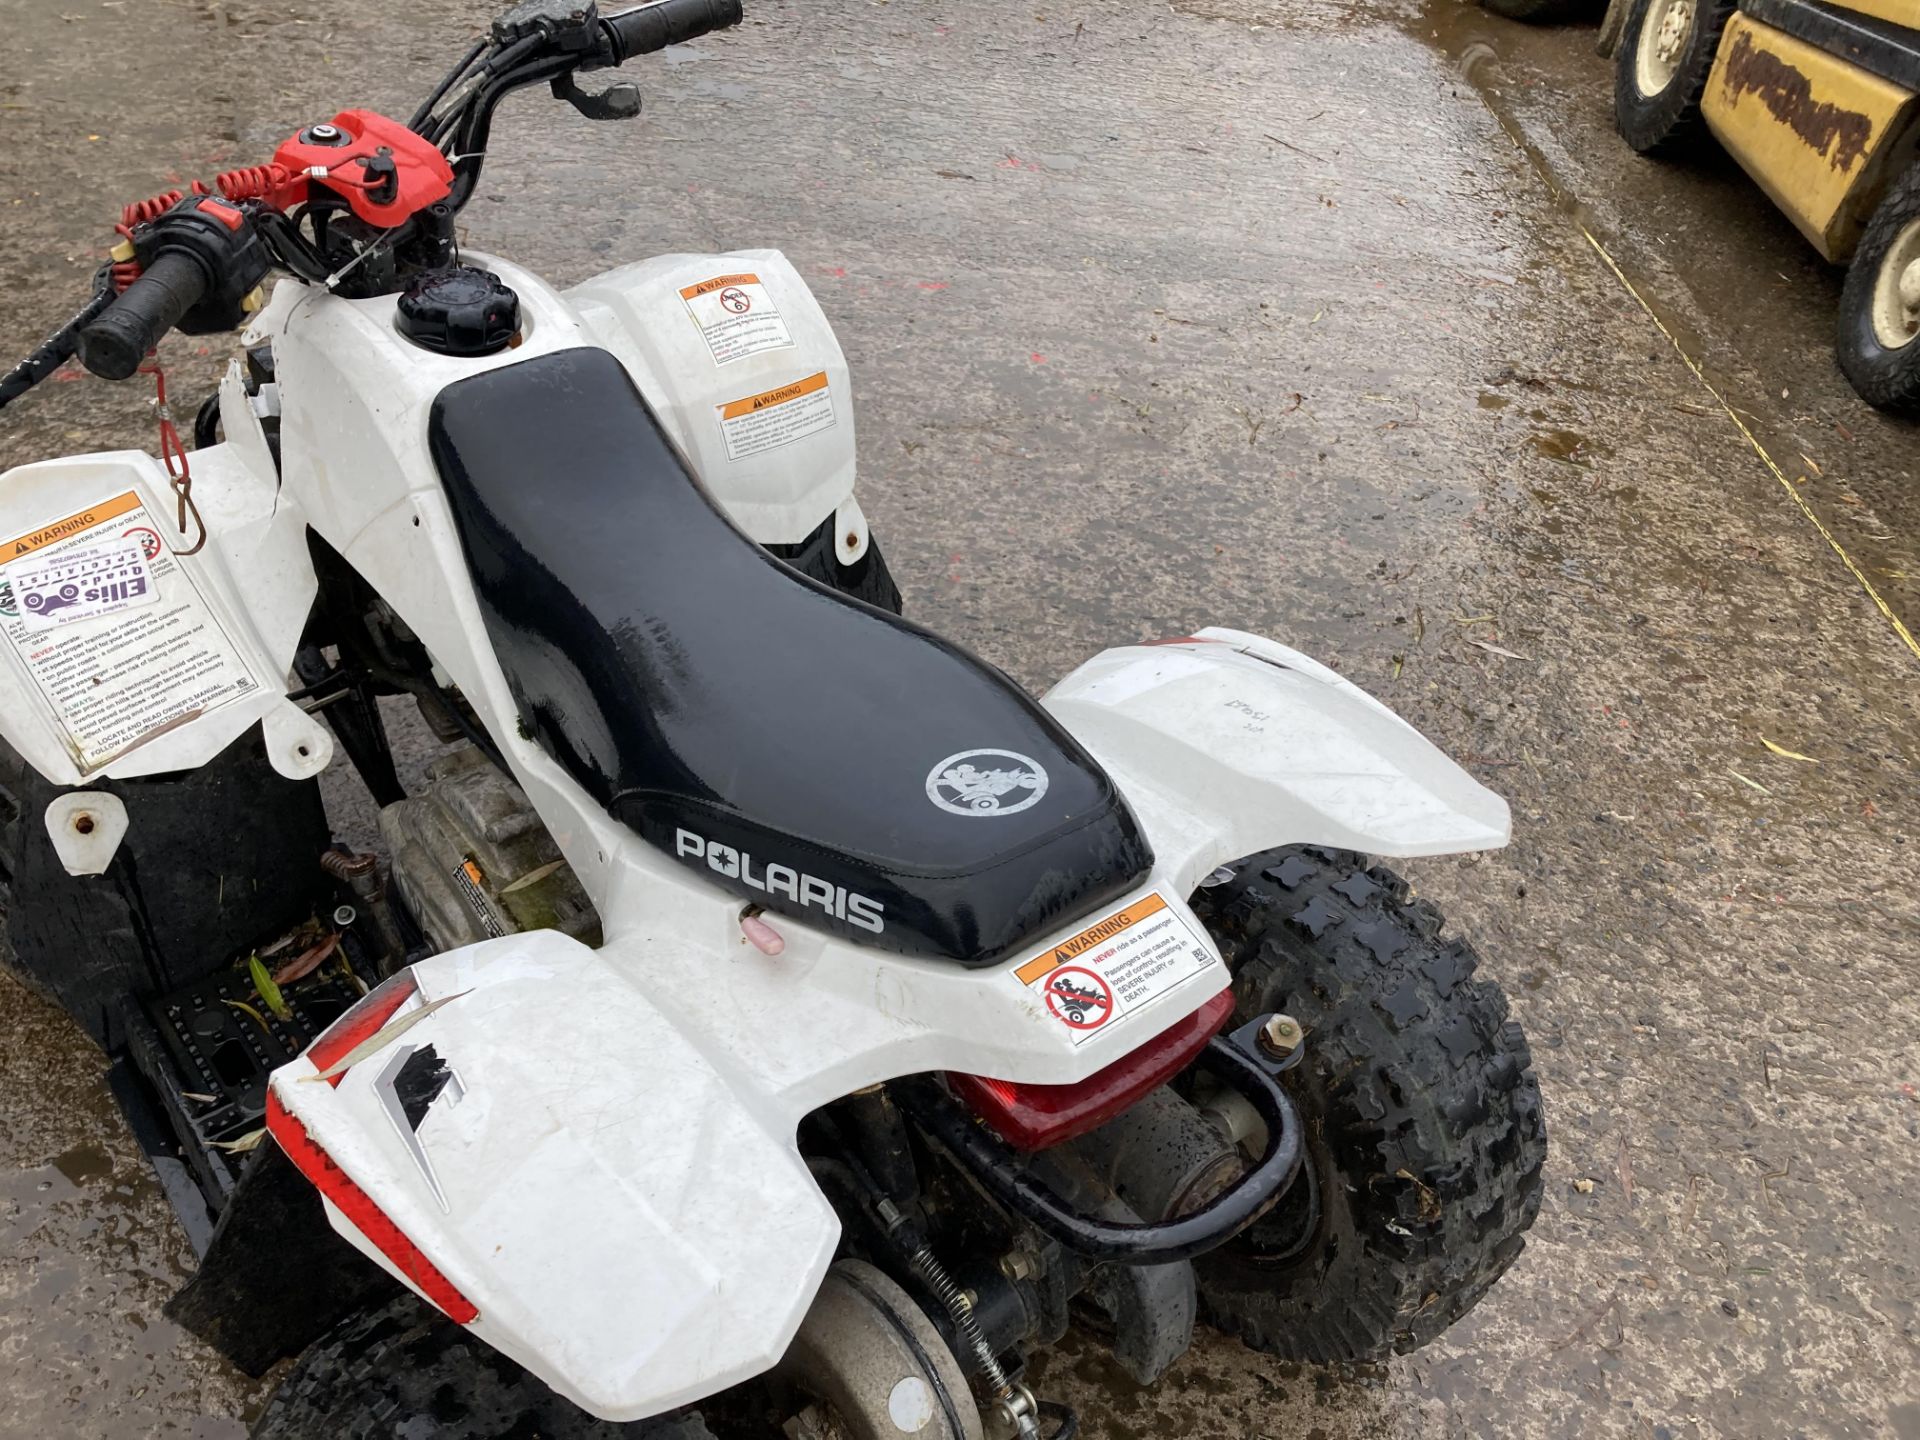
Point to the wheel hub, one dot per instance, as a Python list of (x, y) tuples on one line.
[(1662, 45), (1673, 31), (1896, 291)]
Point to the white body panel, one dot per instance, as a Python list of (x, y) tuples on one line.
[(1231, 743), (254, 579), (622, 1197), (641, 313)]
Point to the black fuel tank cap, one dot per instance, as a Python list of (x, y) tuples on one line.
[(459, 311)]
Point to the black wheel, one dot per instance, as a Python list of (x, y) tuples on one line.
[(406, 1372), (1660, 71), (1544, 12), (1424, 1134), (1880, 306)]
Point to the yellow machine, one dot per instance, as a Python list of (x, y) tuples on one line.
[(1820, 103)]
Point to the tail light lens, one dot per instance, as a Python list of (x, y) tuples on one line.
[(368, 1218), (1036, 1117), (336, 1042), (362, 1022)]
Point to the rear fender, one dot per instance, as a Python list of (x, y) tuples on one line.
[(1227, 744), (625, 1224)]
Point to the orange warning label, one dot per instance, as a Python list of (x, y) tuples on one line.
[(736, 317), (73, 524), (757, 423), (719, 282), (1091, 936), (750, 404), (1124, 961)]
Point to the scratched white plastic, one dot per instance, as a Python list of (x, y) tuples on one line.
[(1233, 743), (625, 1205)]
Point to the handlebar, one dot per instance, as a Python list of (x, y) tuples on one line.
[(113, 346), (663, 23)]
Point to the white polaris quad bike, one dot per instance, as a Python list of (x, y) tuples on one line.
[(766, 1019)]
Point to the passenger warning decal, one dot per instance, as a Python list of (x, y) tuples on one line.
[(736, 317), (757, 423), (1113, 967), (134, 649)]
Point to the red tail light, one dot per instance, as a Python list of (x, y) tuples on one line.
[(361, 1023), (1036, 1117), (336, 1042), (368, 1218)]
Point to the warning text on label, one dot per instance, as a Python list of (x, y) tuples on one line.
[(757, 423), (736, 317), (1124, 961)]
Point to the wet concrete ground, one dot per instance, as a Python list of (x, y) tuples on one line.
[(1281, 314)]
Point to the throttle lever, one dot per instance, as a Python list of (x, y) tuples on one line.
[(619, 101)]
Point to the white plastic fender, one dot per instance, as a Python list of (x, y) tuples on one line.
[(86, 827), (627, 1227), (229, 617), (1227, 744)]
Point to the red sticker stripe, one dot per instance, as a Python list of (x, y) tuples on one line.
[(368, 1218)]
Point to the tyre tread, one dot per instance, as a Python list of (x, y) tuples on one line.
[(1427, 1084)]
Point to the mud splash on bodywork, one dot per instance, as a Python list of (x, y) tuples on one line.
[(1838, 134)]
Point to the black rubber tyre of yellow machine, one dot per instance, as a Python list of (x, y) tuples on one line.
[(406, 1372), (1886, 378), (1670, 121), (1424, 1132), (1545, 12)]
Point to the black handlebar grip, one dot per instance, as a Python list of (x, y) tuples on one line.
[(667, 22), (113, 346)]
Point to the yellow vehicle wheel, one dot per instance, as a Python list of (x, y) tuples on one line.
[(1660, 71), (1879, 334)]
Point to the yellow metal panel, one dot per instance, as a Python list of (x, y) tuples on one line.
[(1805, 125)]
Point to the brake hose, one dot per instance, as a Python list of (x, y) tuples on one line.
[(57, 348)]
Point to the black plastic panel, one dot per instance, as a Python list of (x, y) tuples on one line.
[(764, 729)]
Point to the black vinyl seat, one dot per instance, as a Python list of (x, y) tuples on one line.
[(815, 755)]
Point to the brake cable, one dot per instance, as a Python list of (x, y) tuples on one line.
[(453, 77)]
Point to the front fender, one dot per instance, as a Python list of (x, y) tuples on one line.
[(1227, 744), (624, 1222)]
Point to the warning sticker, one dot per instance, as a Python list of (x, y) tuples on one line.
[(146, 653), (756, 423), (736, 317), (1112, 968), (80, 583)]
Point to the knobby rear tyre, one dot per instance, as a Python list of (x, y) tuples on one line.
[(1425, 1135)]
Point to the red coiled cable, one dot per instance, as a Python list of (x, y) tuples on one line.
[(254, 182), (139, 212)]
